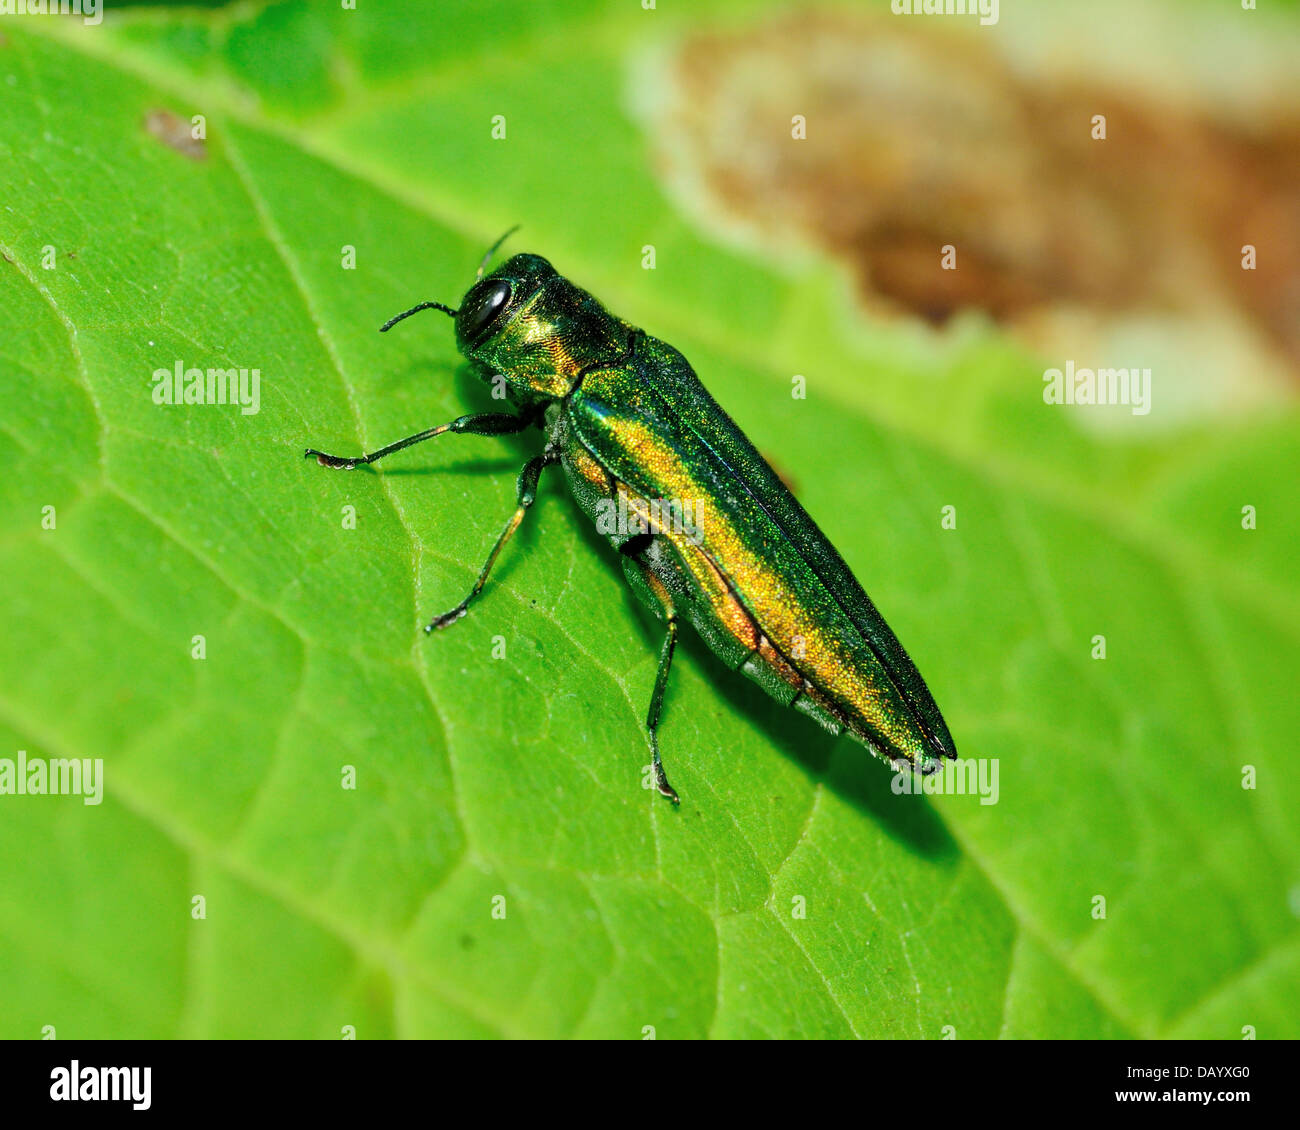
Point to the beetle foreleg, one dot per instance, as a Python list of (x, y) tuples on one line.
[(479, 424)]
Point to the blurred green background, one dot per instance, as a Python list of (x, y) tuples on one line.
[(497, 767)]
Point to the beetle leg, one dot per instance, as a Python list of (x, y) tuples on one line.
[(479, 424), (527, 495), (656, 704), (652, 586)]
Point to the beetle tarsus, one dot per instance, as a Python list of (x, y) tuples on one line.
[(336, 461), (447, 617), (661, 783)]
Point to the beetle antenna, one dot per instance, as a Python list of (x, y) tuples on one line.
[(388, 325), (493, 250)]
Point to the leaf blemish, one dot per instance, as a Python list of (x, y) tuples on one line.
[(976, 193), (175, 133)]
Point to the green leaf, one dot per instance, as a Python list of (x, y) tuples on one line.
[(485, 782)]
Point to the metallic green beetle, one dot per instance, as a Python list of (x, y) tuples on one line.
[(637, 435)]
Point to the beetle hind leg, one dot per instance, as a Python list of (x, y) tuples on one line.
[(656, 704), (651, 589)]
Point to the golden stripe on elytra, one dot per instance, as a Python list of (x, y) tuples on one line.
[(832, 668)]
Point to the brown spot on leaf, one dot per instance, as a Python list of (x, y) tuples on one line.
[(919, 137), (175, 133)]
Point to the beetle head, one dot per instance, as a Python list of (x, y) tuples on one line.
[(531, 326)]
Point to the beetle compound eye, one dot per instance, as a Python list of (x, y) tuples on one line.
[(485, 310)]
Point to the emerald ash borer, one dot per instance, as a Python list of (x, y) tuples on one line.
[(706, 530)]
